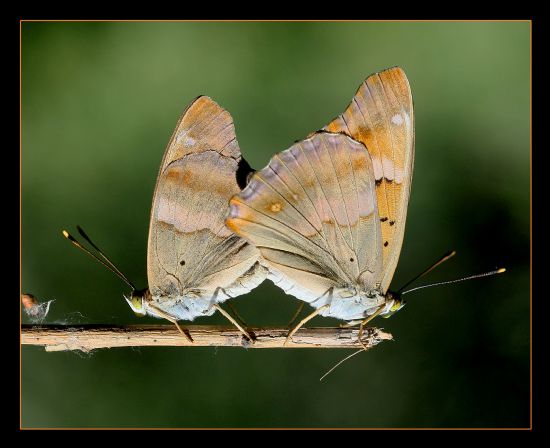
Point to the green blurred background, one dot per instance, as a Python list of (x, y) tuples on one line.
[(100, 101)]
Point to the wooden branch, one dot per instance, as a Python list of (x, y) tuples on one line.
[(91, 337)]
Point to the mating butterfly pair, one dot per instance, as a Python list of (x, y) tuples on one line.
[(324, 220)]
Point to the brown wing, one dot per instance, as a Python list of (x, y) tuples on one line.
[(380, 116), (189, 246), (312, 214)]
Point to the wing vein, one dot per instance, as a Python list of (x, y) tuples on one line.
[(287, 201), (283, 224), (305, 191), (323, 192), (358, 208), (382, 185), (205, 125), (341, 194), (390, 132)]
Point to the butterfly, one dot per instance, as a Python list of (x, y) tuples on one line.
[(328, 214), (194, 262)]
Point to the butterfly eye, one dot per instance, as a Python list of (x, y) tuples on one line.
[(136, 303), (397, 305)]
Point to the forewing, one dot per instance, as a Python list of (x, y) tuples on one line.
[(312, 214), (189, 246), (381, 117), (204, 126)]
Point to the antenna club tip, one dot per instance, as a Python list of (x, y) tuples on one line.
[(501, 270), (65, 233)]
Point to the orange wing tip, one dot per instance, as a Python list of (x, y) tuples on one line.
[(203, 99), (396, 70), (501, 270)]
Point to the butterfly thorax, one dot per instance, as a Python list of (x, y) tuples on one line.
[(352, 303), (185, 305)]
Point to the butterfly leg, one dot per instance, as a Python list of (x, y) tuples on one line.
[(230, 305), (233, 321), (238, 317), (296, 313), (227, 315), (351, 323), (169, 318), (367, 320), (304, 321), (184, 332), (329, 292), (236, 313)]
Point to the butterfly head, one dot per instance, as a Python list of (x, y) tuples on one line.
[(137, 301), (396, 304)]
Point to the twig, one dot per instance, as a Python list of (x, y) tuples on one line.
[(91, 337)]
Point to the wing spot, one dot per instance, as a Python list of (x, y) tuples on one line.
[(182, 263), (352, 260), (397, 119), (364, 133), (359, 163), (392, 223), (386, 244), (276, 207), (384, 219)]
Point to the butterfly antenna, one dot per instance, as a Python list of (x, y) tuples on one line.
[(341, 362), (430, 269), (486, 274), (109, 264), (87, 238)]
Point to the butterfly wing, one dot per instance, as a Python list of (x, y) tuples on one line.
[(380, 116), (189, 247), (311, 212)]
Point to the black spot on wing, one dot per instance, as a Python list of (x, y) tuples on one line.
[(385, 179)]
